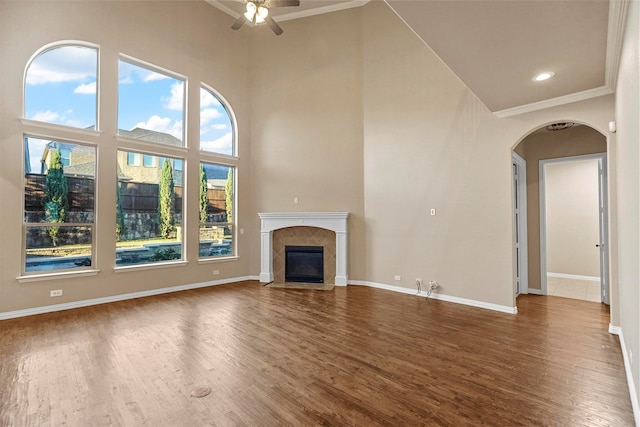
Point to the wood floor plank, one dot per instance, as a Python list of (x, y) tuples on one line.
[(352, 356)]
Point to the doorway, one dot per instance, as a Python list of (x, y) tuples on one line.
[(573, 227), (520, 223), (548, 142)]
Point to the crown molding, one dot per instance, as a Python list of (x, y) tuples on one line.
[(554, 102), (618, 10)]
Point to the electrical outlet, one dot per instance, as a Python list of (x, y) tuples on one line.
[(55, 293), (216, 272), (397, 277)]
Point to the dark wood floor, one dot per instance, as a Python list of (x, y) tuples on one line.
[(351, 356)]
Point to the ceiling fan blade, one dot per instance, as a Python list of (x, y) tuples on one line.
[(239, 23), (274, 25), (283, 3)]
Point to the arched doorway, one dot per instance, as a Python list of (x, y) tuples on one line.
[(546, 145)]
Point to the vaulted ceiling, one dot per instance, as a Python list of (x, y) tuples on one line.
[(496, 47)]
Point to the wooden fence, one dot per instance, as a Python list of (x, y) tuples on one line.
[(135, 197)]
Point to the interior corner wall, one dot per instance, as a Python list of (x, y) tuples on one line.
[(431, 144), (628, 193), (537, 146), (306, 108)]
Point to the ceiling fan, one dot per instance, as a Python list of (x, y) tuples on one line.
[(257, 12)]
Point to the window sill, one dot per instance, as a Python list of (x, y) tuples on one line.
[(218, 259), (139, 267), (53, 276), (58, 127)]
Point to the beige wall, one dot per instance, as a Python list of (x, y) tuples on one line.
[(572, 220), (628, 190), (543, 145), (429, 143), (347, 111), (306, 104)]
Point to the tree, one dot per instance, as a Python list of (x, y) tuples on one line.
[(166, 201), (228, 191), (119, 214), (55, 200), (204, 199)]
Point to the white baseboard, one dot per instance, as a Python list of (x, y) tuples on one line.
[(534, 291), (121, 297), (574, 276), (633, 394), (441, 297)]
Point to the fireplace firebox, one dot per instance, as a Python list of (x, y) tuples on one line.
[(304, 264)]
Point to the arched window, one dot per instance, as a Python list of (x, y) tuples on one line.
[(61, 86), (218, 170), (217, 133)]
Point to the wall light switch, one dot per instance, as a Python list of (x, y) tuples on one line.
[(433, 212)]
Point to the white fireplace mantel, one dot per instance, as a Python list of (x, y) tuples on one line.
[(334, 221)]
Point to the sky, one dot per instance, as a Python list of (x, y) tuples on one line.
[(61, 88)]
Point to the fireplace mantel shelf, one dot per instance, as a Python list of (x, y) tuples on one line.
[(334, 221)]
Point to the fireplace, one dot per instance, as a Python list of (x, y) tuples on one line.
[(304, 264), (335, 252)]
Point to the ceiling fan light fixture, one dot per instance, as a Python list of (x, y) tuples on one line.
[(546, 75), (251, 11), (261, 14), (256, 14)]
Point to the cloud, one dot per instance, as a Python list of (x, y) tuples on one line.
[(207, 99), (208, 114), (63, 64), (130, 73), (86, 89), (223, 145), (150, 76), (46, 116), (162, 124), (176, 100), (216, 127)]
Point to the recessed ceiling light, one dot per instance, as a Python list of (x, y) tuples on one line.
[(543, 76)]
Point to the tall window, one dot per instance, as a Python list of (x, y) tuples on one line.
[(216, 127), (58, 205), (148, 211), (217, 210), (150, 104), (61, 86)]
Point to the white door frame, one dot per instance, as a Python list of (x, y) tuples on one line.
[(603, 231), (520, 224)]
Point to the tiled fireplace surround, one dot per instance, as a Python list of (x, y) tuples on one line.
[(326, 229)]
